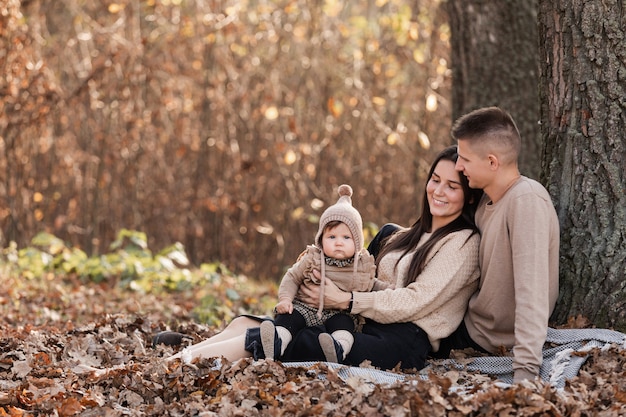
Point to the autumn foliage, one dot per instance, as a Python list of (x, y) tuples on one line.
[(225, 126), (72, 348)]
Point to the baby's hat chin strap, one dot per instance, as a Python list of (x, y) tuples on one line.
[(322, 278)]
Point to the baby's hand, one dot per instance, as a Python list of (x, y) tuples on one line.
[(284, 307)]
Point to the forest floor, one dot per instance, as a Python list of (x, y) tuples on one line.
[(54, 332)]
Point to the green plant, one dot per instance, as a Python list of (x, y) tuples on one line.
[(221, 294)]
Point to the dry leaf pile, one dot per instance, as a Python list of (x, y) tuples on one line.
[(68, 349)]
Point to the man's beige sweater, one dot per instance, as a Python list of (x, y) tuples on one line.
[(519, 284), (437, 300)]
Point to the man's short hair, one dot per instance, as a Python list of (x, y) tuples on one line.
[(493, 129)]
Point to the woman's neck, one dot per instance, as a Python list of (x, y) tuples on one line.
[(439, 222)]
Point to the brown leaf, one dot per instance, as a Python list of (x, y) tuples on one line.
[(70, 407)]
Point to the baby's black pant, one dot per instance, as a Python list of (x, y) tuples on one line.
[(295, 322)]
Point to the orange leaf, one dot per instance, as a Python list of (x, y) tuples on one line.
[(70, 407)]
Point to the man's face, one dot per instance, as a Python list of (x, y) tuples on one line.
[(475, 167)]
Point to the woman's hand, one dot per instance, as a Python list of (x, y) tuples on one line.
[(334, 298)]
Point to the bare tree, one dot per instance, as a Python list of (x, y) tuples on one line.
[(226, 127)]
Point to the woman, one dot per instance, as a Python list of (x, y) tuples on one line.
[(434, 266)]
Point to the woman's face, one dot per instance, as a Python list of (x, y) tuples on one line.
[(445, 194)]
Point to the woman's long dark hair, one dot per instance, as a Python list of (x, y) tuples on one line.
[(407, 240)]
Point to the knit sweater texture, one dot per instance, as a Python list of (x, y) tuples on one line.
[(346, 278), (519, 260), (437, 300)]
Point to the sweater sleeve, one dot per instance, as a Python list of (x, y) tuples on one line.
[(451, 267), (295, 275), (380, 285), (367, 264), (530, 248)]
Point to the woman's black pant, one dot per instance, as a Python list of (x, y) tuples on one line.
[(384, 345)]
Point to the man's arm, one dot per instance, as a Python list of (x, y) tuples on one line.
[(530, 223)]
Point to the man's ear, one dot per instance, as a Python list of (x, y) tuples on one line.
[(494, 163)]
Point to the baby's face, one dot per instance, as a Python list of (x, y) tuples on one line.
[(338, 243)]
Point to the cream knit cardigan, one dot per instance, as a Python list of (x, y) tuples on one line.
[(437, 300)]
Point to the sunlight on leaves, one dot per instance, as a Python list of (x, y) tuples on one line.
[(332, 8), (240, 50), (175, 253), (379, 101), (265, 229), (290, 157), (316, 204), (48, 242), (221, 294), (335, 107), (431, 102), (132, 238), (423, 140), (116, 8), (297, 213), (393, 138), (271, 113), (418, 56)]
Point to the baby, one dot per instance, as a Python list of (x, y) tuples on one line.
[(338, 254)]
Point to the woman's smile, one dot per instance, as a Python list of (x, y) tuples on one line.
[(445, 194)]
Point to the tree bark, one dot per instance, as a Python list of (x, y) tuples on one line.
[(494, 62), (583, 56)]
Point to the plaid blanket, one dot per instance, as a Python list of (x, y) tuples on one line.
[(559, 361)]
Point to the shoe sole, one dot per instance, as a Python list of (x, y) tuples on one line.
[(268, 335), (328, 347), (169, 338)]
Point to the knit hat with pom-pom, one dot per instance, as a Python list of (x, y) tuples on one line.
[(342, 211), (345, 213)]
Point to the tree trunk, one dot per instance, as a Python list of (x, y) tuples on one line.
[(583, 56), (494, 62)]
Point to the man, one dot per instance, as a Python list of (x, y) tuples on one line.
[(519, 250)]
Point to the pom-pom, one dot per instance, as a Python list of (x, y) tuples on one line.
[(345, 189)]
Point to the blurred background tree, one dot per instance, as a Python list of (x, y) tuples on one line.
[(228, 125), (225, 125)]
